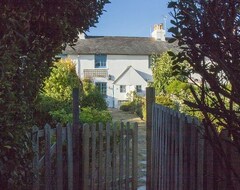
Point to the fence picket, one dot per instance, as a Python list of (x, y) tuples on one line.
[(59, 158), (176, 152), (85, 138), (134, 156), (70, 157), (200, 150), (181, 150), (100, 159), (193, 161), (114, 151), (154, 149), (93, 164), (171, 149), (121, 156), (108, 157), (35, 145), (161, 147), (127, 157), (47, 134), (165, 150)]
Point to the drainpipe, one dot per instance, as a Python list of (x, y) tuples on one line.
[(113, 98), (79, 68)]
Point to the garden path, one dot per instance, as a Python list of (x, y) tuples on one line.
[(119, 115)]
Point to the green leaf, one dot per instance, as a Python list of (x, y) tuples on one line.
[(173, 30), (170, 53)]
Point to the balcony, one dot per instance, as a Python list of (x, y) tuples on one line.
[(92, 73)]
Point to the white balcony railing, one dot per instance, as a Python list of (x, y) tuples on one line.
[(91, 73)]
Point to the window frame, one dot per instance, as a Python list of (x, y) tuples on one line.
[(138, 90), (101, 88), (122, 88), (100, 61)]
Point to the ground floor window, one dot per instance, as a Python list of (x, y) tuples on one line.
[(122, 88), (138, 88), (102, 87)]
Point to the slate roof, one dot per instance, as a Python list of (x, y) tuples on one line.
[(116, 45)]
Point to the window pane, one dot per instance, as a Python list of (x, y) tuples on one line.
[(102, 87), (139, 88), (100, 61), (122, 88)]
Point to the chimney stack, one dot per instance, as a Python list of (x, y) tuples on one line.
[(81, 36), (158, 32)]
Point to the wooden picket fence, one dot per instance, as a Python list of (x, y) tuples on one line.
[(108, 157), (181, 158)]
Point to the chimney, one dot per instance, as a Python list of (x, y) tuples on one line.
[(81, 36), (158, 32)]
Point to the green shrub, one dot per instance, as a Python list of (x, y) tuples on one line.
[(87, 115), (127, 106), (55, 101), (134, 106), (91, 115), (167, 101), (95, 100)]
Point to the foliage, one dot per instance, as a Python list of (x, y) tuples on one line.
[(134, 105), (162, 72), (56, 95), (126, 106), (92, 97), (208, 33), (172, 88), (87, 115), (91, 115), (62, 80), (31, 34), (167, 101)]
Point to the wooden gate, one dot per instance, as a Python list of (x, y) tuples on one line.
[(177, 151), (108, 157), (179, 157)]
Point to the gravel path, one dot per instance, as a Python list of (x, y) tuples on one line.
[(119, 115)]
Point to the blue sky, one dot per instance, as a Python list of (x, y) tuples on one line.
[(131, 18)]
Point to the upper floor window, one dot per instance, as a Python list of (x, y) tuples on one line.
[(100, 61), (102, 87), (122, 88), (138, 88)]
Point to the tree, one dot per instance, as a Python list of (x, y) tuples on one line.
[(56, 94), (31, 34), (162, 72), (208, 33), (54, 102), (171, 87)]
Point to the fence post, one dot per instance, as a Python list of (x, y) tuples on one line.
[(150, 99), (76, 139)]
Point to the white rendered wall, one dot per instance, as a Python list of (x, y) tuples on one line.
[(116, 65)]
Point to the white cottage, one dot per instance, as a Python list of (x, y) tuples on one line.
[(118, 65)]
